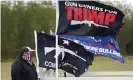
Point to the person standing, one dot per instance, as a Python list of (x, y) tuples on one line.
[(23, 68)]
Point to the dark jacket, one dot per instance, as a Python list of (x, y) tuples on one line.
[(22, 70)]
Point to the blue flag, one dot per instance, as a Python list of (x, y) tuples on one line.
[(105, 46)]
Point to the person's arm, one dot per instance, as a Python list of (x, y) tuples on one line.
[(16, 69)]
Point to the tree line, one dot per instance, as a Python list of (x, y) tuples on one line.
[(18, 22)]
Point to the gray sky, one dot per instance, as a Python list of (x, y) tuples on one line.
[(122, 1)]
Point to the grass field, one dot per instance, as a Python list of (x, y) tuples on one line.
[(99, 64)]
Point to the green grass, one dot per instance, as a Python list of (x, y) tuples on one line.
[(107, 64), (99, 64)]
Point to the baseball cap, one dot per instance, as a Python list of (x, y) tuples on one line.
[(26, 49)]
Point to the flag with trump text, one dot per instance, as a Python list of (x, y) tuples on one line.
[(88, 18), (104, 46), (91, 24)]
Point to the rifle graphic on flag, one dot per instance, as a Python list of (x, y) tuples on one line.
[(87, 26), (90, 27), (69, 56), (89, 23), (95, 29)]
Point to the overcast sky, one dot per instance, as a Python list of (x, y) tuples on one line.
[(124, 1)]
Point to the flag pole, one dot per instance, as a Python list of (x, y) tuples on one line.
[(56, 57), (35, 34), (56, 36)]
